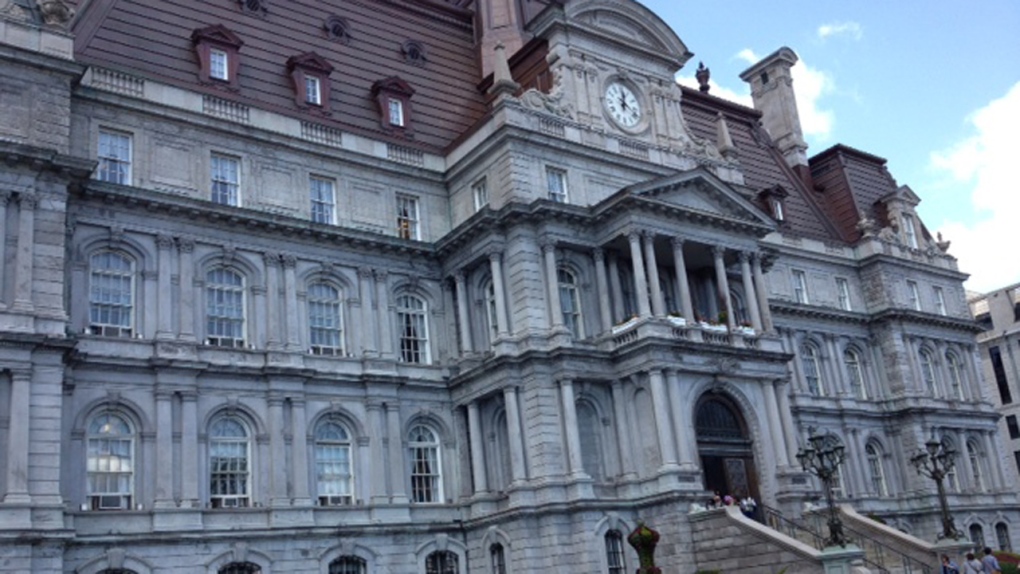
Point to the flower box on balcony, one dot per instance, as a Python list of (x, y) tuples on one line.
[(621, 327), (713, 328), (677, 321)]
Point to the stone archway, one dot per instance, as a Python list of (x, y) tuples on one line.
[(725, 446)]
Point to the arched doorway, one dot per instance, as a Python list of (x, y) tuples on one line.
[(725, 447)]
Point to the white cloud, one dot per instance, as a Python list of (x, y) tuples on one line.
[(984, 165), (742, 97), (748, 56), (811, 85), (850, 29)]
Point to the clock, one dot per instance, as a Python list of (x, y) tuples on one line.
[(622, 105)]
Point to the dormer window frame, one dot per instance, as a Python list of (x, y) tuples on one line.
[(393, 96), (220, 41), (310, 70), (774, 201)]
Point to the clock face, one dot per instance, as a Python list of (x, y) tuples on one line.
[(623, 105)]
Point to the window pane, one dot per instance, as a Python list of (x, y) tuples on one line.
[(225, 179), (323, 200), (114, 157), (111, 288)]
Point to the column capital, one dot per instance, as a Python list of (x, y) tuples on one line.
[(21, 374), (565, 382), (547, 244), (678, 241), (634, 236), (28, 200), (271, 258), (495, 254), (380, 275), (745, 256), (185, 244), (5, 196), (718, 251), (289, 260), (164, 242), (648, 235), (365, 272), (598, 254), (459, 276)]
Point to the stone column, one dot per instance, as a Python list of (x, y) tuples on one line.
[(396, 453), (658, 304), (5, 197), (164, 290), (640, 281), (463, 321), (762, 293), (25, 254), (962, 456), (514, 434), (687, 307), (256, 331), (188, 291), (164, 449), (660, 404), (786, 417), (189, 449), (779, 438), (616, 290), (602, 286), (18, 438), (974, 390), (856, 460), (481, 481), (277, 453), (299, 452), (682, 423), (383, 314), (837, 368), (723, 284), (623, 430), (572, 438), (750, 294), (552, 286), (376, 430), (496, 269), (290, 301), (274, 340), (367, 307), (996, 477)]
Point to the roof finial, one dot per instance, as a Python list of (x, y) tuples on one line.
[(502, 80), (724, 142), (702, 75)]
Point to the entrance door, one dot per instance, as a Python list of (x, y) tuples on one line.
[(727, 457)]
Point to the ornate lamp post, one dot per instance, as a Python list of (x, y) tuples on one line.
[(935, 462), (822, 457)]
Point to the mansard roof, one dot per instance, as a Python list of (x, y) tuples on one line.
[(851, 183)]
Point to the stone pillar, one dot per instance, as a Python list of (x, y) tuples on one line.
[(640, 281), (496, 269), (572, 438), (623, 431), (383, 315), (779, 438), (837, 368), (274, 340), (552, 286), (616, 291), (164, 449), (749, 291), (25, 254), (658, 304), (723, 284), (762, 293), (164, 290), (396, 454), (376, 430), (290, 301), (18, 438), (277, 453), (367, 304), (602, 287), (5, 197), (786, 417), (660, 404), (256, 331), (299, 452), (514, 434), (964, 457), (188, 294), (682, 422), (996, 477), (973, 386), (687, 307), (189, 449), (481, 481), (856, 463), (463, 321)]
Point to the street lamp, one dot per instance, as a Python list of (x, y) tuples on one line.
[(935, 462), (822, 457)]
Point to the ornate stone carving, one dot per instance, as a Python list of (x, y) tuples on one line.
[(551, 103), (55, 12)]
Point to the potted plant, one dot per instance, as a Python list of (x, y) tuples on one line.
[(676, 319), (624, 325)]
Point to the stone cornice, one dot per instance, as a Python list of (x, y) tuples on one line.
[(912, 264), (790, 308), (43, 159), (920, 317), (817, 312)]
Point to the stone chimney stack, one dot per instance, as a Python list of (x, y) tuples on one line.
[(772, 92)]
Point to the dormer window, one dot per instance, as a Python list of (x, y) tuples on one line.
[(218, 53), (310, 75), (777, 210), (908, 230), (773, 199), (393, 96)]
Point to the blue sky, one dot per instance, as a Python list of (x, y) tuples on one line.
[(932, 86)]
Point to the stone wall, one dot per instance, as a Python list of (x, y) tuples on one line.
[(726, 541)]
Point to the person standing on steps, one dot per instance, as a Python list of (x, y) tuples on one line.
[(972, 565), (990, 563), (948, 566)]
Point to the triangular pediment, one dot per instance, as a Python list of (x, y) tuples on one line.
[(311, 61), (700, 191), (217, 34)]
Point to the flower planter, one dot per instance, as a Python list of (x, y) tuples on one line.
[(621, 327), (713, 328), (677, 321)]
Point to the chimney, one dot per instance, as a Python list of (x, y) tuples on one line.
[(772, 92)]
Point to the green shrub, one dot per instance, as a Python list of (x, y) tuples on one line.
[(1008, 568)]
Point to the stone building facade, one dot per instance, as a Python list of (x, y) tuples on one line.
[(443, 287)]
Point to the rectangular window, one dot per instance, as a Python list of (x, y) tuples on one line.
[(1014, 428), (913, 296), (323, 200), (940, 301), (407, 217), (843, 287), (800, 293), (908, 230), (111, 294), (556, 181), (777, 210), (1000, 375), (480, 192), (313, 91), (226, 179), (1016, 458), (114, 157), (218, 65), (396, 112)]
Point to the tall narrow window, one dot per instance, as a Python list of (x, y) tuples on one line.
[(855, 372), (114, 156), (325, 319), (876, 470), (313, 90), (843, 287), (407, 217), (229, 471), (1013, 427), (441, 562), (110, 463), (491, 312), (412, 320), (589, 425), (1002, 536), (498, 558), (940, 301), (976, 464), (426, 472), (348, 565), (913, 296), (800, 291), (1000, 375), (570, 302), (396, 112), (614, 552), (956, 379), (323, 194), (224, 293), (219, 65), (908, 230), (111, 294), (810, 360), (977, 535), (226, 180), (928, 373), (480, 192), (556, 181), (777, 210), (333, 473)]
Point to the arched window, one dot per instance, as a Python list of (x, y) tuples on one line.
[(240, 568), (928, 373), (412, 317), (811, 360), (570, 303), (1002, 536), (498, 558), (229, 464), (426, 467), (956, 380), (111, 294), (876, 470), (590, 431), (110, 463), (444, 562), (325, 319), (838, 483), (977, 535), (348, 565), (952, 479), (333, 473), (855, 372), (614, 552), (976, 462), (224, 293)]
